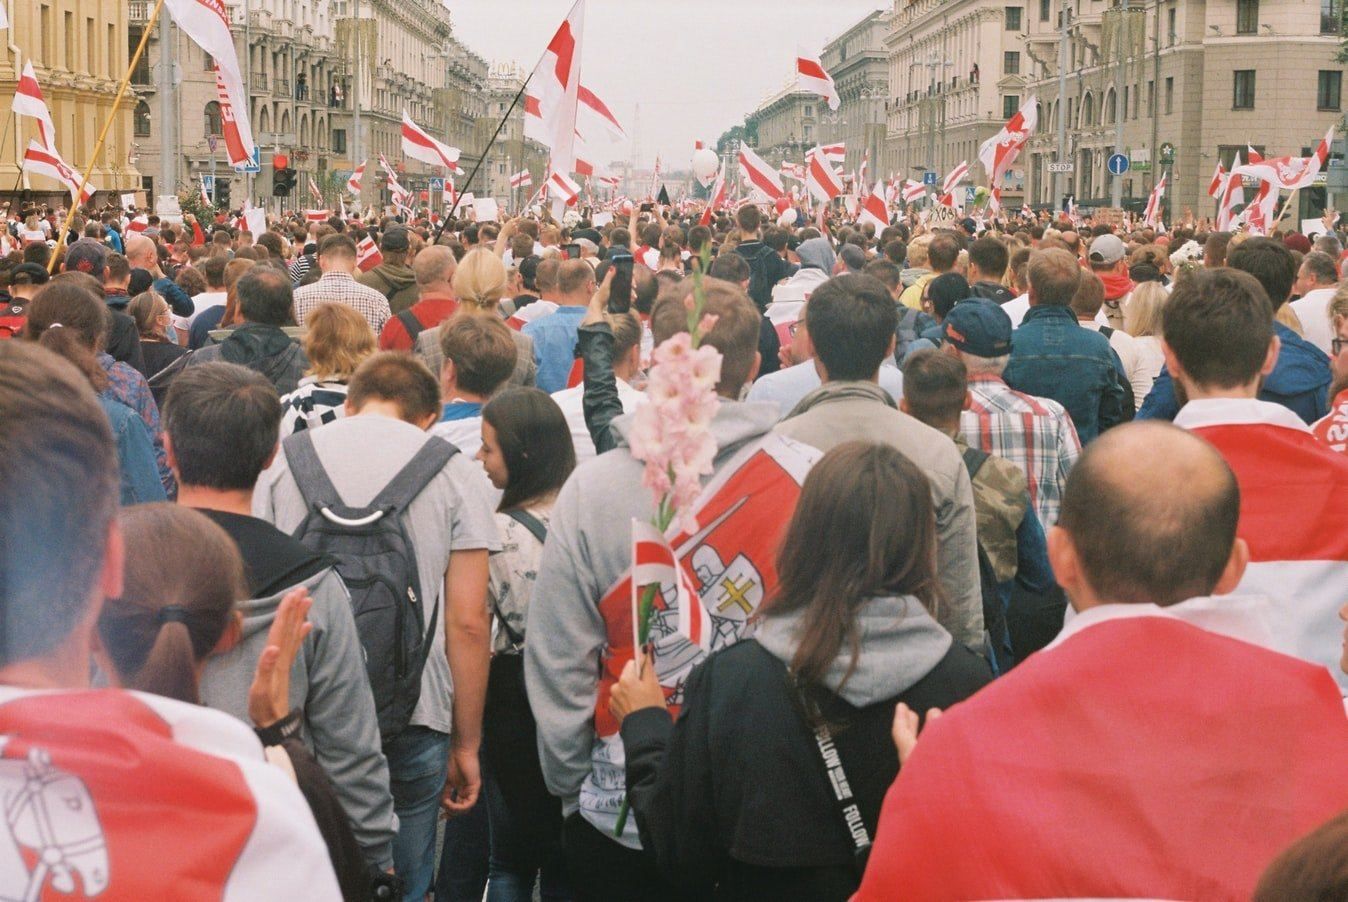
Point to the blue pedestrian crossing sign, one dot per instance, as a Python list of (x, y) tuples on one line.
[(254, 166), (437, 184), (208, 184), (1118, 164), (929, 177), (969, 194)]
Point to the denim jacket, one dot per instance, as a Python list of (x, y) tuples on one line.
[(1052, 356)]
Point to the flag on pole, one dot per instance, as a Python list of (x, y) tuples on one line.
[(874, 209), (566, 189), (314, 192), (1290, 173), (862, 173), (229, 128), (836, 154), (821, 179), (813, 77), (654, 564), (522, 179), (28, 101), (1000, 151), (593, 115), (1218, 182), (760, 174), (552, 100), (205, 195), (1152, 216), (46, 161), (1233, 195), (419, 145), (316, 215), (717, 198), (206, 22), (353, 183), (954, 177), (913, 191), (367, 254)]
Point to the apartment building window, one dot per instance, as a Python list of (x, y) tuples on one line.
[(1329, 92), (69, 33), (212, 116), (1013, 18), (1247, 16), (140, 122), (1011, 62), (1169, 96), (1242, 95), (1010, 103), (339, 140), (207, 62), (48, 35), (1151, 97), (1331, 16), (808, 135), (90, 46), (809, 111), (1172, 36)]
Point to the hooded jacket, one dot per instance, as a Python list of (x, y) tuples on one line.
[(328, 682), (394, 281), (839, 412), (734, 795), (993, 291), (266, 349)]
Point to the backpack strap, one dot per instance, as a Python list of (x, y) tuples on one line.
[(529, 522), (845, 804), (412, 478), (312, 480), (974, 458), (411, 324)]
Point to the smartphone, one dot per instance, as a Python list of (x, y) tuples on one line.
[(572, 251), (620, 290), (646, 208)]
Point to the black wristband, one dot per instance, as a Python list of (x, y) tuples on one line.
[(287, 727)]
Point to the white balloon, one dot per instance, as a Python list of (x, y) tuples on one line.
[(705, 163), (787, 220)]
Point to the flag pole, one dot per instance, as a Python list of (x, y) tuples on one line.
[(1287, 205), (103, 135), (482, 158)]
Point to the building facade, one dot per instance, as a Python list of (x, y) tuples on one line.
[(859, 65), (1193, 82), (787, 123), (511, 152), (79, 51)]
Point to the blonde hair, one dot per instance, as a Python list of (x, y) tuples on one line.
[(336, 341), (480, 280), (1142, 313), (917, 251)]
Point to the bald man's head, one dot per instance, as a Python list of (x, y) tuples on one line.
[(1151, 512), (140, 252)]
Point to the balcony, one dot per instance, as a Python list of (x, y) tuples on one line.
[(281, 87), (138, 11), (259, 80)]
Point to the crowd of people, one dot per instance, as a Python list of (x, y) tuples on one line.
[(1022, 553)]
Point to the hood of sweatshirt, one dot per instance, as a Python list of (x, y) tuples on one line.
[(816, 253), (992, 291), (735, 424), (1116, 284), (909, 275), (390, 278), (266, 349), (899, 642), (831, 392)]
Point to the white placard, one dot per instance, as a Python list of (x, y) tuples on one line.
[(486, 209)]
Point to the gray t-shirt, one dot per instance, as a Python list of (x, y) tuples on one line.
[(453, 513)]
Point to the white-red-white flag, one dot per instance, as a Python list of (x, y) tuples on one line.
[(1233, 195), (862, 174), (1218, 181), (522, 179), (593, 117), (28, 101), (205, 195), (552, 100), (1290, 173), (1152, 216), (954, 177), (718, 197), (812, 76), (654, 564), (913, 191), (367, 254), (836, 154), (46, 161), (821, 179), (229, 126), (564, 187), (206, 22), (419, 145), (1000, 151), (353, 182), (317, 215), (760, 174), (314, 192), (874, 210)]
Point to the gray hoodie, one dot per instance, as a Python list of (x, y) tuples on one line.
[(329, 683), (899, 644), (838, 412)]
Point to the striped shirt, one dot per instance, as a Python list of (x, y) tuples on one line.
[(1035, 434), (341, 288), (311, 405)]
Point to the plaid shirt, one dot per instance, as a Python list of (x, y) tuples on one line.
[(341, 288), (1035, 434), (126, 384)]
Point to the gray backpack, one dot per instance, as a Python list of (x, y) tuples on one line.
[(377, 562)]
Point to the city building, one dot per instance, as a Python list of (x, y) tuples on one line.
[(79, 52), (859, 65), (1197, 83), (787, 123), (511, 152)]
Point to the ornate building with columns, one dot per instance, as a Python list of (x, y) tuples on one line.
[(859, 65)]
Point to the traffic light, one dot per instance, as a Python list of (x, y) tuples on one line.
[(222, 193), (283, 181)]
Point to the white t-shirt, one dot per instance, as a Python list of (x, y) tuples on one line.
[(571, 401), (1017, 307), (204, 301), (1313, 311)]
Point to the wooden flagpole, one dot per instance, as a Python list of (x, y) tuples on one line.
[(103, 135)]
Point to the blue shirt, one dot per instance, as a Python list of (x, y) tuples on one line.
[(554, 338), (460, 410)]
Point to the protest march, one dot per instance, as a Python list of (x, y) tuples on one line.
[(801, 531)]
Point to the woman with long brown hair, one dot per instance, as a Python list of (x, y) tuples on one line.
[(153, 320), (769, 785)]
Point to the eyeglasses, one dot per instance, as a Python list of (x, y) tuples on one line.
[(791, 330), (1338, 344)]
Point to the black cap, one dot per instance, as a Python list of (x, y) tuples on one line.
[(394, 240), (29, 274)]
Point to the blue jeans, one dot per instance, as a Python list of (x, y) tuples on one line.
[(519, 857), (418, 764)]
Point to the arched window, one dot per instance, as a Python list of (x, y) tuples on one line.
[(1087, 112), (141, 120), (213, 118)]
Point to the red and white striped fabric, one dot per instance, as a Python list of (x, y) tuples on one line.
[(353, 183), (206, 22), (610, 181), (28, 101), (654, 563), (954, 177), (594, 117), (1291, 516), (419, 145), (552, 101), (46, 161), (316, 215), (522, 179), (367, 254), (1233, 195), (229, 126), (126, 795), (874, 210), (205, 195), (1152, 216), (1218, 182), (913, 191), (812, 76), (1290, 173), (836, 154), (759, 174), (1000, 151), (564, 187), (313, 190), (388, 168), (139, 224), (717, 199), (821, 179)]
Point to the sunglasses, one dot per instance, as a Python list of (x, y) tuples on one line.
[(1338, 344)]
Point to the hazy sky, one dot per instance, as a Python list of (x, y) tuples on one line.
[(695, 66)]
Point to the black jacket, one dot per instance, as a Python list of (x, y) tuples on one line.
[(993, 291), (734, 795)]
